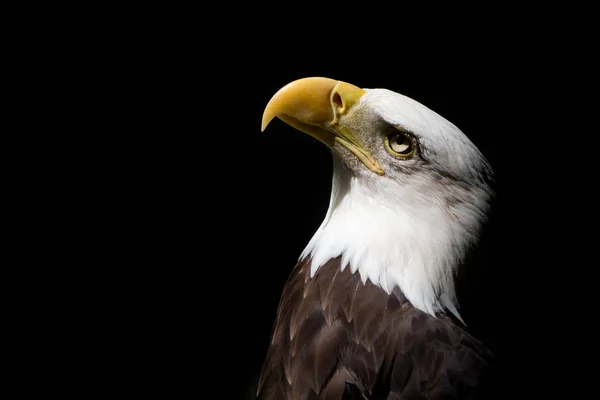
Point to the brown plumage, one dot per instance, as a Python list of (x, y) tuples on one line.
[(336, 338)]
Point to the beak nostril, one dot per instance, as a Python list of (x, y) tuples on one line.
[(337, 100)]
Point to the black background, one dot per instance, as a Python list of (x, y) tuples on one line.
[(213, 214)]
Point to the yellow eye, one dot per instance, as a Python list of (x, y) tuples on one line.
[(400, 145)]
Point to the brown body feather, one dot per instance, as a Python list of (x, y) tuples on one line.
[(336, 338)]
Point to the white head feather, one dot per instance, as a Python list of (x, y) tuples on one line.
[(411, 227)]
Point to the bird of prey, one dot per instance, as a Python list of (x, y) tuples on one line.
[(370, 310)]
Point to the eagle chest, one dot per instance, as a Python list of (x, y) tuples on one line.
[(335, 334)]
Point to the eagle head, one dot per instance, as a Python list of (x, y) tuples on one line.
[(410, 191)]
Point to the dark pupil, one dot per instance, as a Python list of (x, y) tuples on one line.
[(400, 139)]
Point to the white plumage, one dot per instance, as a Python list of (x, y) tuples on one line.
[(412, 226)]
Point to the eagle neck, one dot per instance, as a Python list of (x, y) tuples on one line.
[(413, 249)]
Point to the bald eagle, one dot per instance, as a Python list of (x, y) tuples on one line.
[(370, 310)]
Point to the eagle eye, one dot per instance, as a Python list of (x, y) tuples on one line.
[(400, 144)]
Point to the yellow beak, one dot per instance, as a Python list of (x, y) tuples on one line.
[(314, 106)]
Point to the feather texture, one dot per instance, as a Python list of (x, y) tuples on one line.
[(337, 338)]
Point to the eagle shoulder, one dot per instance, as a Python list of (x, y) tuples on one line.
[(336, 337)]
